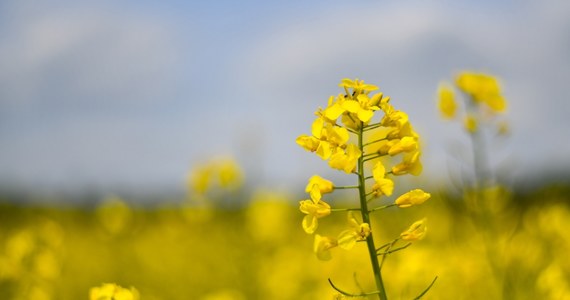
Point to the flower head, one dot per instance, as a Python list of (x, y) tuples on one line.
[(482, 88)]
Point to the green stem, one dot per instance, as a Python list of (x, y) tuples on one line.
[(343, 209), (346, 187), (382, 207), (366, 219), (375, 141)]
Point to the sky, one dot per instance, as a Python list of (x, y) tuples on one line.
[(110, 95)]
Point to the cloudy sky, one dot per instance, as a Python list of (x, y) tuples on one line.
[(104, 94)]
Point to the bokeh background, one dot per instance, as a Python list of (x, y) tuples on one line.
[(106, 106)]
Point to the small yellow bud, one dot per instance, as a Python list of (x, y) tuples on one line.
[(411, 198)]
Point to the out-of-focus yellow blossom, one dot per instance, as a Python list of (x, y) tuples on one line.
[(314, 211), (470, 124), (415, 232), (322, 246), (406, 144), (411, 198), (224, 173), (200, 179), (446, 104), (357, 232), (46, 265), (114, 214), (318, 186), (383, 186), (410, 164), (482, 88), (346, 161), (111, 291), (229, 173)]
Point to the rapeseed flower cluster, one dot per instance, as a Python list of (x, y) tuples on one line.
[(483, 102), (349, 116), (221, 173)]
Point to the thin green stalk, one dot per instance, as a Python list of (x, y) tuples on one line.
[(366, 219), (346, 187)]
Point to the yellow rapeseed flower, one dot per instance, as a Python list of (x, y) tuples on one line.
[(313, 212), (322, 246), (415, 232), (357, 85), (413, 197), (346, 161), (318, 186), (406, 144), (111, 291), (383, 186), (357, 232), (410, 164), (326, 139)]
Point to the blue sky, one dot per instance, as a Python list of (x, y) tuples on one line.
[(133, 94)]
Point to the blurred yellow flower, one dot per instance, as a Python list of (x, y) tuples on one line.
[(223, 172), (357, 232), (322, 246), (111, 291), (482, 88), (411, 198), (470, 124), (318, 186), (446, 104), (415, 232), (229, 173), (314, 211), (114, 214)]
